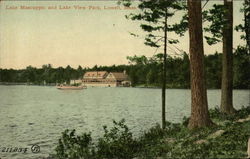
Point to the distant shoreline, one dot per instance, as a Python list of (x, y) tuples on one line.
[(27, 84), (138, 86)]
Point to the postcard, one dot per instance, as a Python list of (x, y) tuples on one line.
[(124, 79)]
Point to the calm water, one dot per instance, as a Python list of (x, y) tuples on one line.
[(37, 115)]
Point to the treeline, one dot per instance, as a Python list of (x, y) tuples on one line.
[(40, 76), (47, 75), (143, 71), (147, 71)]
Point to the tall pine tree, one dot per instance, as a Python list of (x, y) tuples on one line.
[(154, 16), (199, 106)]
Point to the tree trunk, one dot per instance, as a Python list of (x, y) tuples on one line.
[(164, 76), (247, 23), (199, 106), (227, 61)]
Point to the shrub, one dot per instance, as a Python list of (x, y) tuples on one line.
[(217, 114), (176, 141), (71, 146), (117, 142)]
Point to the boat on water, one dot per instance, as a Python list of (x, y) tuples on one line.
[(63, 87)]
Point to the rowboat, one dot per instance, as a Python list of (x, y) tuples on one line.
[(71, 87)]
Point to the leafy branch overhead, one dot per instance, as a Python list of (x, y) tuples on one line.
[(245, 28), (154, 13), (215, 17), (216, 22)]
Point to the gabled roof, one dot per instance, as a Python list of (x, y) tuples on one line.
[(95, 74), (119, 75)]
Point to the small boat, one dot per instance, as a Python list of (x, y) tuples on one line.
[(62, 87)]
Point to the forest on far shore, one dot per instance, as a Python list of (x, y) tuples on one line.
[(143, 71)]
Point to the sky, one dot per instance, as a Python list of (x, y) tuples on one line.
[(64, 36)]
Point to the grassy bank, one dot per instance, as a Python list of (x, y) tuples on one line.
[(226, 139)]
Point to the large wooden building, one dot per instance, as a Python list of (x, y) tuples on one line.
[(105, 79)]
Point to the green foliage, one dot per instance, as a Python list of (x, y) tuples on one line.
[(40, 76), (212, 40), (153, 15), (148, 71), (144, 71), (176, 141), (213, 69), (47, 75), (215, 17), (245, 27), (151, 144), (216, 20), (72, 146), (241, 68), (181, 27), (154, 134), (117, 142), (231, 144), (218, 115)]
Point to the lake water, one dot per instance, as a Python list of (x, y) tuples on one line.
[(37, 115)]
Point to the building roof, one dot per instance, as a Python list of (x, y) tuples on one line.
[(95, 74), (119, 75)]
